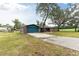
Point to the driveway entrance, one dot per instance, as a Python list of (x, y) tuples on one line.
[(68, 42)]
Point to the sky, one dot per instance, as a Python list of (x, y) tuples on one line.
[(25, 12)]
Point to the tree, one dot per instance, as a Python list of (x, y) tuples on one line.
[(75, 15), (44, 9), (65, 15), (0, 25), (76, 20), (58, 15), (17, 24), (55, 13), (38, 23)]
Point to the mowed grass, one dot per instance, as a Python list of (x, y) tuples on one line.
[(66, 33), (68, 30), (17, 44)]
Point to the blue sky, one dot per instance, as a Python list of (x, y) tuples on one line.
[(23, 11), (35, 17), (63, 5)]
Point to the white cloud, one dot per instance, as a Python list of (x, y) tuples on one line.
[(10, 11), (12, 6)]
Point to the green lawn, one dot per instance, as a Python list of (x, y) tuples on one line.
[(67, 30), (66, 34), (23, 44)]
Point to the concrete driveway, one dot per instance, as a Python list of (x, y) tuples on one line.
[(68, 42)]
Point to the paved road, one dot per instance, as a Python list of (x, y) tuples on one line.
[(68, 42)]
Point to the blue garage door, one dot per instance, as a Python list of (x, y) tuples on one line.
[(32, 29)]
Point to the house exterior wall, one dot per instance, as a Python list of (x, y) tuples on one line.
[(30, 29), (48, 30), (35, 28)]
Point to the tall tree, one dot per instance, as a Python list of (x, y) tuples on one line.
[(58, 15), (17, 24), (55, 13), (0, 25), (62, 15), (74, 15), (44, 9), (76, 20)]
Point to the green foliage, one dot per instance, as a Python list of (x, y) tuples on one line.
[(59, 16), (17, 24), (45, 10), (0, 25)]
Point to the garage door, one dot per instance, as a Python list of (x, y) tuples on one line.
[(32, 29)]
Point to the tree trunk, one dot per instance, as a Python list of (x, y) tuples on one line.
[(75, 29), (58, 29), (76, 25), (45, 22)]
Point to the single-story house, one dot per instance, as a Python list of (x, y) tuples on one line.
[(30, 28), (34, 28)]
